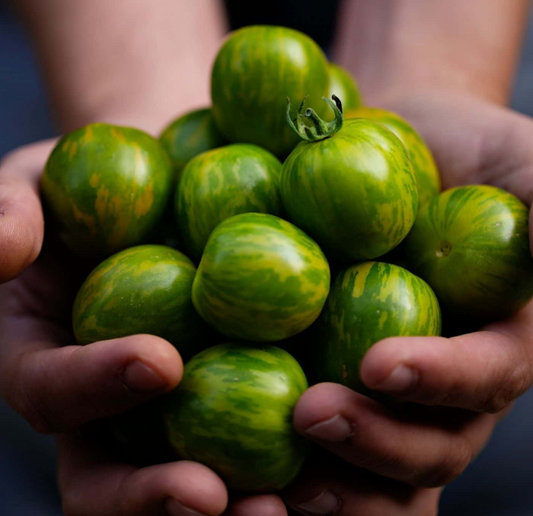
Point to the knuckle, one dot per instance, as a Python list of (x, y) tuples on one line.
[(510, 388), (448, 468)]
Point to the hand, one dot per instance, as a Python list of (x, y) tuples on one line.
[(462, 386), (61, 388)]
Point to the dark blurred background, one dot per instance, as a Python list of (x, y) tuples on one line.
[(498, 483)]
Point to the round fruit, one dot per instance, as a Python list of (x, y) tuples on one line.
[(471, 244), (256, 69), (190, 135), (370, 302), (218, 184), (353, 191), (343, 85), (106, 187), (426, 172), (144, 289), (233, 412), (260, 278)]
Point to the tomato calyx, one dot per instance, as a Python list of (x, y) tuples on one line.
[(309, 127)]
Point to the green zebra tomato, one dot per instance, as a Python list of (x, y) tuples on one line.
[(218, 184), (367, 303), (344, 86), (354, 191), (106, 187), (260, 278), (255, 71), (426, 172), (144, 289), (233, 412), (189, 135), (471, 244)]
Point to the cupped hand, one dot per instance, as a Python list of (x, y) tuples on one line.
[(461, 386)]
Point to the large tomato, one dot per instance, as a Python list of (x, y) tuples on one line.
[(144, 289), (233, 412), (471, 244), (426, 172), (106, 187), (260, 278), (218, 184), (370, 302), (256, 69), (353, 191)]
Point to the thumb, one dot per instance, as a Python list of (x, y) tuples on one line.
[(21, 215), (60, 389)]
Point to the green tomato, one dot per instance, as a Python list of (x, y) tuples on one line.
[(106, 187), (233, 412), (471, 244), (367, 303), (144, 289), (260, 279), (255, 71), (426, 172), (354, 192), (190, 135), (218, 184), (344, 86)]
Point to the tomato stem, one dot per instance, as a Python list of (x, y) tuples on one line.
[(316, 129)]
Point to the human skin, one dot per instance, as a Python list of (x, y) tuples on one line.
[(388, 462)]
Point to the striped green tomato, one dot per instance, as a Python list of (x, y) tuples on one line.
[(370, 302), (143, 289), (426, 172), (189, 135), (354, 192), (255, 71), (218, 184), (106, 187), (344, 86), (471, 244), (260, 278), (233, 412)]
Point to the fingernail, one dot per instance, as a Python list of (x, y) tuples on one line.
[(325, 503), (335, 430), (401, 379), (175, 508), (140, 377)]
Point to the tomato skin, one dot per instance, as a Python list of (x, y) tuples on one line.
[(260, 279), (233, 412), (238, 178), (426, 171), (344, 86), (189, 135), (369, 302), (105, 188), (471, 244), (354, 193), (255, 71), (141, 290)]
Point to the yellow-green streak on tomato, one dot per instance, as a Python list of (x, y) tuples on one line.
[(344, 86), (218, 184), (471, 244), (233, 412), (190, 135), (367, 303), (354, 192), (260, 278), (143, 289), (426, 172), (255, 71), (106, 187)]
